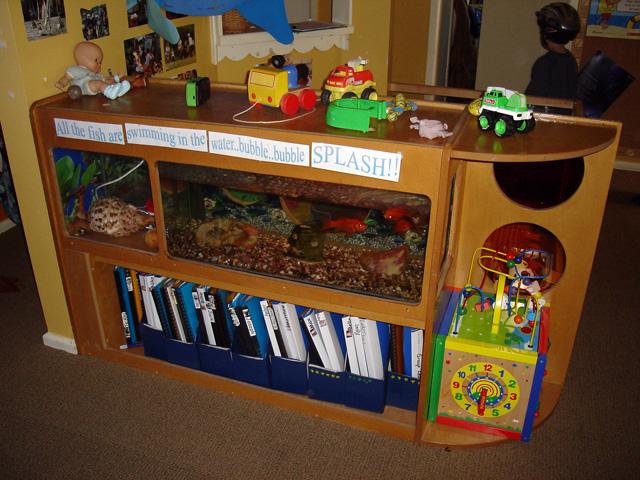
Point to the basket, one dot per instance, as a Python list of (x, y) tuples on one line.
[(233, 22)]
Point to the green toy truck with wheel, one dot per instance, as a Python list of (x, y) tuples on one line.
[(505, 112)]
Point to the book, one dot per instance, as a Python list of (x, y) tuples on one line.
[(275, 335), (359, 343), (137, 295), (413, 339), (372, 349), (311, 325), (352, 356), (126, 314), (397, 349), (289, 323), (330, 340)]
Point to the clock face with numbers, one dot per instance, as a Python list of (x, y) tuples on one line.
[(485, 389)]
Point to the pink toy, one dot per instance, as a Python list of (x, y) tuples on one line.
[(430, 128)]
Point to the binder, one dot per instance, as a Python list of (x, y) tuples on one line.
[(351, 345), (359, 344), (187, 310), (312, 330), (147, 301), (126, 313), (331, 340), (287, 315), (205, 322), (211, 315), (135, 318), (245, 310), (171, 305), (275, 335), (372, 349), (413, 339), (158, 304)]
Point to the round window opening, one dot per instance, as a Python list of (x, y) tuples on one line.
[(540, 185), (530, 257)]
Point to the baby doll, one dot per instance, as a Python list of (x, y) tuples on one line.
[(85, 76)]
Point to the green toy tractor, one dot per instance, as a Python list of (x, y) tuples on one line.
[(505, 112)]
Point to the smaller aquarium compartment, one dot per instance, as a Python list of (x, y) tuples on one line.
[(106, 197), (346, 237)]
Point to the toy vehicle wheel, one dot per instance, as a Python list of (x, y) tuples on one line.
[(325, 97), (277, 61), (349, 95), (525, 126), (369, 94), (307, 99), (505, 126), (486, 120), (289, 104)]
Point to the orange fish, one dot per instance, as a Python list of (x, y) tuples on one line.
[(345, 225), (402, 226), (395, 213)]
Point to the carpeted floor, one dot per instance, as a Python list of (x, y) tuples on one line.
[(74, 417)]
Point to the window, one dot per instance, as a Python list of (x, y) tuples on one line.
[(312, 29)]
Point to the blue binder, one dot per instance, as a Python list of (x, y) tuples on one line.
[(125, 304)]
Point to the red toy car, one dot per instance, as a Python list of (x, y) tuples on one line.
[(349, 81)]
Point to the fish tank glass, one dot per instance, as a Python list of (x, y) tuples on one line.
[(351, 238), (106, 197)]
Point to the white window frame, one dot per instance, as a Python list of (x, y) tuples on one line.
[(261, 44)]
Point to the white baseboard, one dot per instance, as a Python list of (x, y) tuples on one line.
[(6, 224), (628, 165), (59, 342)]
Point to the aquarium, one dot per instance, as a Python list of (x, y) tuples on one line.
[(346, 237), (106, 197)]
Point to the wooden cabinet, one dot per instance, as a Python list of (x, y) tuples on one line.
[(450, 183)]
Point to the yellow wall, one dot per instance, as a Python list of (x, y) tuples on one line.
[(30, 69), (409, 41)]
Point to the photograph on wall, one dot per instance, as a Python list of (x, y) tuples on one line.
[(43, 18), (187, 75), (173, 16), (142, 55), (136, 12), (95, 23), (183, 52), (614, 19)]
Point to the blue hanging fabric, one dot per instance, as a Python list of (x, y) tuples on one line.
[(270, 15)]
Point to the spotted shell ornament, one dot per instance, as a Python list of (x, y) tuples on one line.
[(112, 216)]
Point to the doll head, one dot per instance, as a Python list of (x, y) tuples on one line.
[(88, 55)]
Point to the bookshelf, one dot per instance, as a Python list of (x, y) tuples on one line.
[(453, 178)]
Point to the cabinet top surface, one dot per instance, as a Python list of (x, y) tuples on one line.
[(553, 138)]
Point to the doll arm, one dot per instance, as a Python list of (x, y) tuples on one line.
[(63, 82)]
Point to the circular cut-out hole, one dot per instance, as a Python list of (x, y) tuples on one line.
[(526, 251), (540, 184)]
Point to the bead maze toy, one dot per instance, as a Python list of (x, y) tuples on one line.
[(491, 349)]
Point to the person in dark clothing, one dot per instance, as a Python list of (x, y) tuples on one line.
[(555, 73)]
